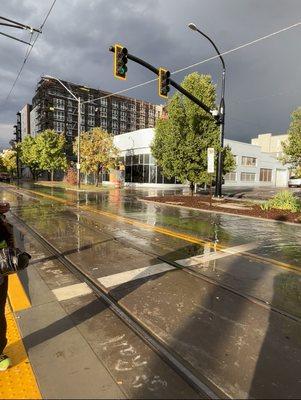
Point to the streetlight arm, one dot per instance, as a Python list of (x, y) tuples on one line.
[(214, 45), (58, 80)]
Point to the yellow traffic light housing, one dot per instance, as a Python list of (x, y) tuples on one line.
[(120, 61), (163, 82)]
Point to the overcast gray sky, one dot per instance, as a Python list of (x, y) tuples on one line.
[(263, 80)]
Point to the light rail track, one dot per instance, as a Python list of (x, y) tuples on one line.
[(201, 385), (190, 270)]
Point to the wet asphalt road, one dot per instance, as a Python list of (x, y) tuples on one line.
[(223, 326)]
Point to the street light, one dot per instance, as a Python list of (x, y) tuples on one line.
[(219, 171), (78, 124)]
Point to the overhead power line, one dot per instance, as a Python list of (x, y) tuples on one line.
[(210, 58), (31, 46), (15, 24)]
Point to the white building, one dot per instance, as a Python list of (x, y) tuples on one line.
[(253, 167), (25, 121)]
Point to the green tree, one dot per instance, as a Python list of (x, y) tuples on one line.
[(51, 151), (30, 155), (292, 147), (98, 152), (9, 160), (181, 141)]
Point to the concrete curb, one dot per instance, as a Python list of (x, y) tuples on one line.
[(220, 212)]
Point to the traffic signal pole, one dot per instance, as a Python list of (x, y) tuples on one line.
[(172, 83)]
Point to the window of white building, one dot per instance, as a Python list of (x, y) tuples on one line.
[(265, 175), (248, 161), (230, 176), (247, 177)]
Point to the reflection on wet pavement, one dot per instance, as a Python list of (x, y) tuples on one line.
[(278, 241)]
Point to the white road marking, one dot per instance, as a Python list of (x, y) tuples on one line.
[(123, 277), (68, 292), (134, 274), (187, 262)]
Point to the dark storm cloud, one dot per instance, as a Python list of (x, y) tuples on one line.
[(263, 84)]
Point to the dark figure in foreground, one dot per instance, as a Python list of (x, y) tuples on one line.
[(6, 240)]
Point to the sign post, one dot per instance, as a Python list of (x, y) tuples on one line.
[(210, 168)]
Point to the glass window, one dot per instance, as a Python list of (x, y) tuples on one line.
[(146, 159), (169, 180), (104, 102), (247, 177), (265, 175), (248, 161), (152, 173), (137, 173), (59, 103), (128, 160), (160, 178), (145, 173), (151, 159), (128, 174), (230, 176), (136, 159)]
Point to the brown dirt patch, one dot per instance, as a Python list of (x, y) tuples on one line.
[(250, 210)]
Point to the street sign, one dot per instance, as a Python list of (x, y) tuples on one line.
[(210, 160)]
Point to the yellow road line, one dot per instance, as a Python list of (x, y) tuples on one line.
[(183, 236), (17, 295), (18, 382)]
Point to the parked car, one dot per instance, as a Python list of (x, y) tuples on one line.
[(294, 182), (4, 177)]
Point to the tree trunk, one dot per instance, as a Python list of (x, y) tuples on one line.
[(52, 173), (86, 179), (191, 188), (97, 177)]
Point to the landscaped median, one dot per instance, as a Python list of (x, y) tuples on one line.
[(283, 207)]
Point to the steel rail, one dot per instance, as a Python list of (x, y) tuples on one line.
[(154, 342)]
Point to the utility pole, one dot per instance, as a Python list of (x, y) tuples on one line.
[(79, 123), (15, 145), (221, 121)]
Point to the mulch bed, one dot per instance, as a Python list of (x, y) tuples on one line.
[(203, 203)]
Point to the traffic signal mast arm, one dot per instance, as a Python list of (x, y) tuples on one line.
[(137, 60)]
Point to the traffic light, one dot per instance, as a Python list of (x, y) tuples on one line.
[(120, 61), (164, 82)]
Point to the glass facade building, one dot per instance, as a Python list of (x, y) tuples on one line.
[(142, 168)]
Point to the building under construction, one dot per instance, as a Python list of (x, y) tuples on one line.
[(54, 108)]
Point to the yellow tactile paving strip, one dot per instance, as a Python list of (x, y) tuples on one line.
[(18, 382), (16, 293)]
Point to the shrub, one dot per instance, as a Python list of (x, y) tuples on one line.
[(71, 176), (283, 200)]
